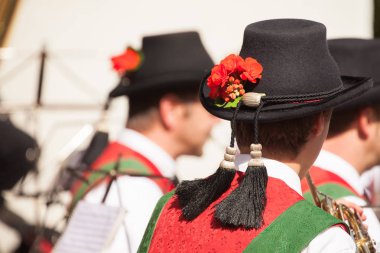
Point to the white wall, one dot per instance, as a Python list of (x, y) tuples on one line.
[(83, 34)]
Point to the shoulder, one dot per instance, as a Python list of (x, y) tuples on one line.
[(134, 191), (143, 184), (145, 242), (333, 239), (164, 199)]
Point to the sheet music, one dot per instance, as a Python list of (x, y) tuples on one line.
[(91, 228)]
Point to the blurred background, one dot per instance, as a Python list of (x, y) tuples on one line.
[(55, 70)]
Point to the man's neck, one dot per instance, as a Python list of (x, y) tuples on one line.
[(343, 148), (163, 140), (292, 162)]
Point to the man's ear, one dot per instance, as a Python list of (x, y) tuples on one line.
[(364, 121), (322, 122), (170, 110)]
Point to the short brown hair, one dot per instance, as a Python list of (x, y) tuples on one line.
[(143, 108), (282, 138), (342, 120)]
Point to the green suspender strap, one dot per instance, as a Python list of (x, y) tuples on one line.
[(335, 191), (131, 165), (147, 238), (293, 230)]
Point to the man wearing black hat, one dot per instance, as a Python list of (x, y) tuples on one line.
[(278, 94), (166, 120), (353, 142)]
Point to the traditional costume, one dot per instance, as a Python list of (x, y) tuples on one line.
[(291, 223), (284, 72), (331, 173), (169, 62)]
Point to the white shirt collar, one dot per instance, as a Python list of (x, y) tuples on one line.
[(275, 169), (337, 165), (154, 153)]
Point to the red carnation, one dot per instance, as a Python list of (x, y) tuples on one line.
[(231, 77), (252, 70), (214, 92), (130, 60), (218, 76), (232, 62)]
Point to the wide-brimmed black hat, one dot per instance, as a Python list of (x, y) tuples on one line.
[(359, 57), (299, 75), (169, 60)]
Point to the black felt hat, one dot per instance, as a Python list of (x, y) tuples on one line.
[(18, 154), (299, 75), (359, 57), (170, 60)]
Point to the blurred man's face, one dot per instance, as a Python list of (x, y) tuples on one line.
[(195, 127), (376, 140)]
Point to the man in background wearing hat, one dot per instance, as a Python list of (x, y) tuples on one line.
[(353, 142), (166, 120), (278, 95)]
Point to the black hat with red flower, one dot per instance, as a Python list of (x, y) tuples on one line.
[(359, 57), (284, 71), (165, 61), (287, 61)]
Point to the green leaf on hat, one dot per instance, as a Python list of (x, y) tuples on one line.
[(233, 104)]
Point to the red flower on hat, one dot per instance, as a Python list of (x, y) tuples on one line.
[(128, 61), (229, 79), (253, 70), (232, 63), (218, 77)]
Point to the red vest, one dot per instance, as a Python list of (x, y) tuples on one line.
[(169, 232), (329, 183), (130, 163)]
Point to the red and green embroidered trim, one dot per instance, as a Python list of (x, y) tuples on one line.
[(147, 238), (335, 191), (131, 162), (329, 183), (293, 230), (130, 165)]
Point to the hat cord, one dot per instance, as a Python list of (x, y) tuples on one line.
[(233, 124), (256, 123), (302, 97)]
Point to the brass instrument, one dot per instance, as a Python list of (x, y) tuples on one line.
[(358, 232)]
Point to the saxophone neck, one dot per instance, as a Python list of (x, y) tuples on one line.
[(313, 190)]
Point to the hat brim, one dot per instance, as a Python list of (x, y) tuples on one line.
[(164, 82), (368, 98), (352, 87)]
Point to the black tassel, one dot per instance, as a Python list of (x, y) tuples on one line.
[(196, 195), (244, 207)]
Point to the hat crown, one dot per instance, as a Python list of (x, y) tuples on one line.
[(294, 55), (176, 53), (170, 61), (357, 57)]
